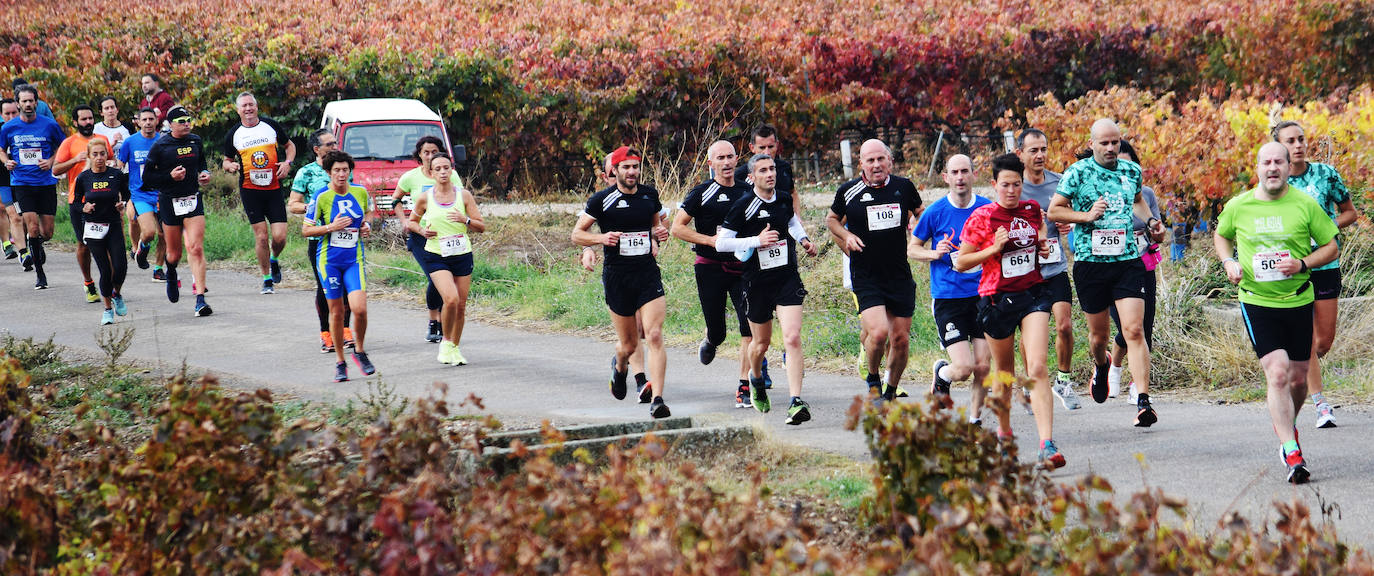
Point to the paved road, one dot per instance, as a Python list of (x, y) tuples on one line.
[(1219, 457)]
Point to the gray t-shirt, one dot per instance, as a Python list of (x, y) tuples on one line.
[(1042, 193), (1138, 226)]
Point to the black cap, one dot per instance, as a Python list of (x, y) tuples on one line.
[(178, 112)]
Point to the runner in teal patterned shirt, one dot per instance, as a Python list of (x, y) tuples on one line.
[(1324, 184), (1100, 195)]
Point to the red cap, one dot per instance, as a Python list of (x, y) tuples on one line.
[(622, 154)]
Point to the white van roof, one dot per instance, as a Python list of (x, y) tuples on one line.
[(368, 109)]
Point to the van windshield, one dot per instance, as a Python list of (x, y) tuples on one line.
[(391, 141)]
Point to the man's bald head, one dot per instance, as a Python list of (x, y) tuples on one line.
[(875, 159), (1273, 165), (958, 174), (721, 157), (1106, 142)]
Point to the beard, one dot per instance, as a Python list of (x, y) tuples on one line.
[(85, 131)]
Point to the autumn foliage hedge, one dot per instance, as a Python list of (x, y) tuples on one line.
[(222, 485), (530, 84)]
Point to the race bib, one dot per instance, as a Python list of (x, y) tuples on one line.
[(1266, 266), (1109, 242), (408, 203), (1056, 252), (884, 217), (773, 255), (1018, 262), (458, 244), (634, 243), (96, 231), (30, 156), (1141, 241), (185, 205), (260, 177), (346, 238)]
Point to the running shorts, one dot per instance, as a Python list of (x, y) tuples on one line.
[(40, 200), (1101, 283), (1000, 315), (898, 296), (1287, 329), (956, 320), (6, 195), (763, 295), (263, 204), (166, 210), (1327, 283), (1059, 289), (629, 288), (460, 265), (339, 279)]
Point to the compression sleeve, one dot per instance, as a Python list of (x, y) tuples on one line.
[(727, 241), (795, 228)]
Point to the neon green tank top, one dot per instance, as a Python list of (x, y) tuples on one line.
[(452, 239)]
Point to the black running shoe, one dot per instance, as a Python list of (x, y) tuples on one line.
[(341, 372), (42, 282), (27, 262), (173, 286), (939, 387), (1145, 414), (706, 352), (645, 392), (618, 381), (658, 409), (360, 358), (159, 275), (141, 257), (202, 309), (276, 272), (435, 332), (798, 412), (1100, 387)]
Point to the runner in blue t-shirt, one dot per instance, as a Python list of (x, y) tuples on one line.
[(133, 155), (954, 295), (27, 146)]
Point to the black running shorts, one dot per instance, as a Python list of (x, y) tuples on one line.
[(36, 199), (1287, 329), (1101, 283), (629, 288), (263, 204), (1000, 314), (898, 296), (1059, 289), (764, 294), (956, 320), (1327, 283)]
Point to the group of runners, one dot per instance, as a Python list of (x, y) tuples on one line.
[(998, 267), (153, 177)]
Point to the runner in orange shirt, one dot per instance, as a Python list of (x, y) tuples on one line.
[(71, 160)]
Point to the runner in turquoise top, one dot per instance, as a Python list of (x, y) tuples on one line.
[(1100, 194), (337, 214), (1265, 238), (1324, 184)]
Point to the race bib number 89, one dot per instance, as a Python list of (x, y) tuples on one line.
[(1110, 242), (773, 255)]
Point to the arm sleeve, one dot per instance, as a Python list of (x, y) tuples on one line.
[(201, 164), (692, 203), (282, 138), (79, 189), (1339, 193), (310, 210), (124, 193), (1068, 184), (230, 151), (923, 227), (795, 228), (123, 154), (973, 230), (726, 241)]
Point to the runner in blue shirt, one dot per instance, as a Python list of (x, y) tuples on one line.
[(27, 146)]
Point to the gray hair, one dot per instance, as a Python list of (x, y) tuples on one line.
[(755, 159), (242, 94), (316, 135), (1021, 138)]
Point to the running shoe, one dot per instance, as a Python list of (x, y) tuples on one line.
[(768, 380), (119, 306), (435, 332), (341, 372), (173, 286), (159, 275), (446, 352), (276, 272), (658, 409), (1050, 458), (1063, 390), (326, 342), (107, 317), (1145, 413), (706, 352), (618, 381), (1099, 386), (457, 356), (645, 392), (202, 309), (901, 392), (1297, 467), (758, 396), (348, 337), (939, 387), (1326, 417), (42, 282), (132, 253), (889, 392), (141, 257), (91, 295), (975, 419), (360, 358), (742, 395), (27, 262), (799, 411), (267, 286), (1113, 381), (10, 254)]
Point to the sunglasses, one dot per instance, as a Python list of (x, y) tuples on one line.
[(182, 121)]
